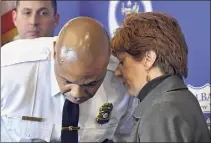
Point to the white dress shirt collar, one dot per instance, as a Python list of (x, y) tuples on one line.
[(54, 84)]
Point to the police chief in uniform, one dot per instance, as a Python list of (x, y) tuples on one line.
[(44, 79)]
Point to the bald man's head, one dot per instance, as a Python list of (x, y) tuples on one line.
[(81, 54), (85, 36)]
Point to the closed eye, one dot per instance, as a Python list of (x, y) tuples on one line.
[(121, 62), (66, 81), (91, 84)]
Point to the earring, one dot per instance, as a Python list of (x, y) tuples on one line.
[(148, 78)]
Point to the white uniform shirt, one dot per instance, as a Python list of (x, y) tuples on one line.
[(29, 88)]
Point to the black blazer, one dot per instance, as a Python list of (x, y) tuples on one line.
[(170, 113)]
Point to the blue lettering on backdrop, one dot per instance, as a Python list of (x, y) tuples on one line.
[(193, 16)]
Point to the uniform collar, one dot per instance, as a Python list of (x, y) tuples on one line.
[(54, 84)]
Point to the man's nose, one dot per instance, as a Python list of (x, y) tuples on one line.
[(34, 19), (77, 92)]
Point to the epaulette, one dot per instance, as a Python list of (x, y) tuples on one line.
[(26, 50), (113, 63)]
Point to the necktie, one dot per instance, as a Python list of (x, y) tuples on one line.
[(69, 118)]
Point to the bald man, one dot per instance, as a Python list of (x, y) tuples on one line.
[(54, 89)]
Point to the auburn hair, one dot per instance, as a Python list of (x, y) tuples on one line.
[(156, 31)]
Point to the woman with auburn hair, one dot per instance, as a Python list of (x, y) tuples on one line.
[(153, 59)]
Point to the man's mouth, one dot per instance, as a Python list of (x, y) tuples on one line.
[(34, 33), (78, 101)]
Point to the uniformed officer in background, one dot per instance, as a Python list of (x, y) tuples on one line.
[(37, 79), (35, 19)]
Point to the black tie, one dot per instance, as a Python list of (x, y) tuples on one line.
[(69, 118)]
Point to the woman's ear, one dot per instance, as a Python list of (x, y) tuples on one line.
[(149, 59)]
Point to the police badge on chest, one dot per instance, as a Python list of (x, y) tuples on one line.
[(104, 113)]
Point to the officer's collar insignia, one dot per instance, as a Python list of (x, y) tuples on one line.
[(104, 113)]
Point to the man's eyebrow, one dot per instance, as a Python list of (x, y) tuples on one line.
[(43, 8), (92, 82), (95, 81), (66, 79), (26, 9), (40, 9)]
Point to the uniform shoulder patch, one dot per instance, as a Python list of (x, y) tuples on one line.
[(26, 50)]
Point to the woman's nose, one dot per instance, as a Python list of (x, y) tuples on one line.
[(117, 73)]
